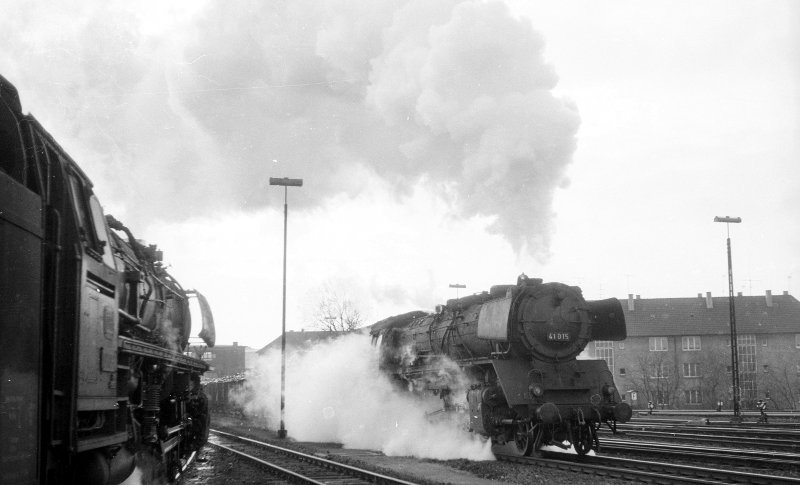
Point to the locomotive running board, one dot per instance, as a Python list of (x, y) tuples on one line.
[(174, 359)]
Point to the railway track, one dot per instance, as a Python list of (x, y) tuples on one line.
[(290, 465), (646, 470), (717, 455), (771, 439), (715, 422), (783, 429)]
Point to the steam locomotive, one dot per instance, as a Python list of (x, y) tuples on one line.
[(93, 378), (517, 346)]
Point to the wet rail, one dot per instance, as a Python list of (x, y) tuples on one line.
[(646, 470), (716, 455), (762, 438), (295, 466)]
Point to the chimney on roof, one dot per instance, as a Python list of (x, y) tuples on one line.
[(699, 295), (769, 298), (709, 301), (785, 292), (738, 293), (638, 297), (235, 344), (630, 302)]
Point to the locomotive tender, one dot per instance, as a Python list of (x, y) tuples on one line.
[(92, 374), (517, 346)]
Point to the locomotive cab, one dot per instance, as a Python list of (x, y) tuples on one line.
[(86, 377)]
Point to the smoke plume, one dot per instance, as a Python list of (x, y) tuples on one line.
[(193, 107), (335, 393)]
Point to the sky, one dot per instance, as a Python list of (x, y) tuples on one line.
[(589, 143)]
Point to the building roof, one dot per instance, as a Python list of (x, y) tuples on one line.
[(692, 316), (299, 339)]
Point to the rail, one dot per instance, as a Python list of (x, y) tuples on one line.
[(647, 471), (294, 465)]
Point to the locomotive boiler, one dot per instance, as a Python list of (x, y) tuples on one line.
[(93, 376), (512, 351)]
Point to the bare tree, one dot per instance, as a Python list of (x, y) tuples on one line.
[(715, 380), (336, 313), (656, 379), (781, 382)]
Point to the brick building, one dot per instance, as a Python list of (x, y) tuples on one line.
[(299, 340), (678, 355), (225, 360)]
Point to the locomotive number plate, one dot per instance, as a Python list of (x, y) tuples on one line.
[(558, 336)]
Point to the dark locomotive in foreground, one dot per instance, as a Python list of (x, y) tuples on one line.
[(92, 372), (517, 345)]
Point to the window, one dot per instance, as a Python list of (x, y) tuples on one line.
[(100, 231), (748, 387), (622, 370), (693, 396), (690, 343), (747, 353), (209, 356), (604, 349), (766, 368), (690, 370), (659, 371), (622, 345), (797, 340), (658, 344), (78, 199)]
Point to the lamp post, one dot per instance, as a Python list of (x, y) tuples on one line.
[(734, 343), (286, 183)]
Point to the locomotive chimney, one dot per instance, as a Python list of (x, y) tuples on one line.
[(769, 298), (709, 301), (630, 302)]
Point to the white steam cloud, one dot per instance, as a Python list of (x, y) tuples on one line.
[(335, 393), (200, 98)]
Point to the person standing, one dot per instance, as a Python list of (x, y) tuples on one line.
[(762, 406)]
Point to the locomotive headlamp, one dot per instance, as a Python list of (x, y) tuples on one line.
[(536, 390), (608, 390)]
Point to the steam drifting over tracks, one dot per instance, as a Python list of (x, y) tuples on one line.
[(295, 466)]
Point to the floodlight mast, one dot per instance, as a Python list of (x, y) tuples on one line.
[(286, 183), (457, 286), (732, 310)]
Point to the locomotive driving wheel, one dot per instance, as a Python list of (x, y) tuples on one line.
[(583, 438), (524, 438)]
